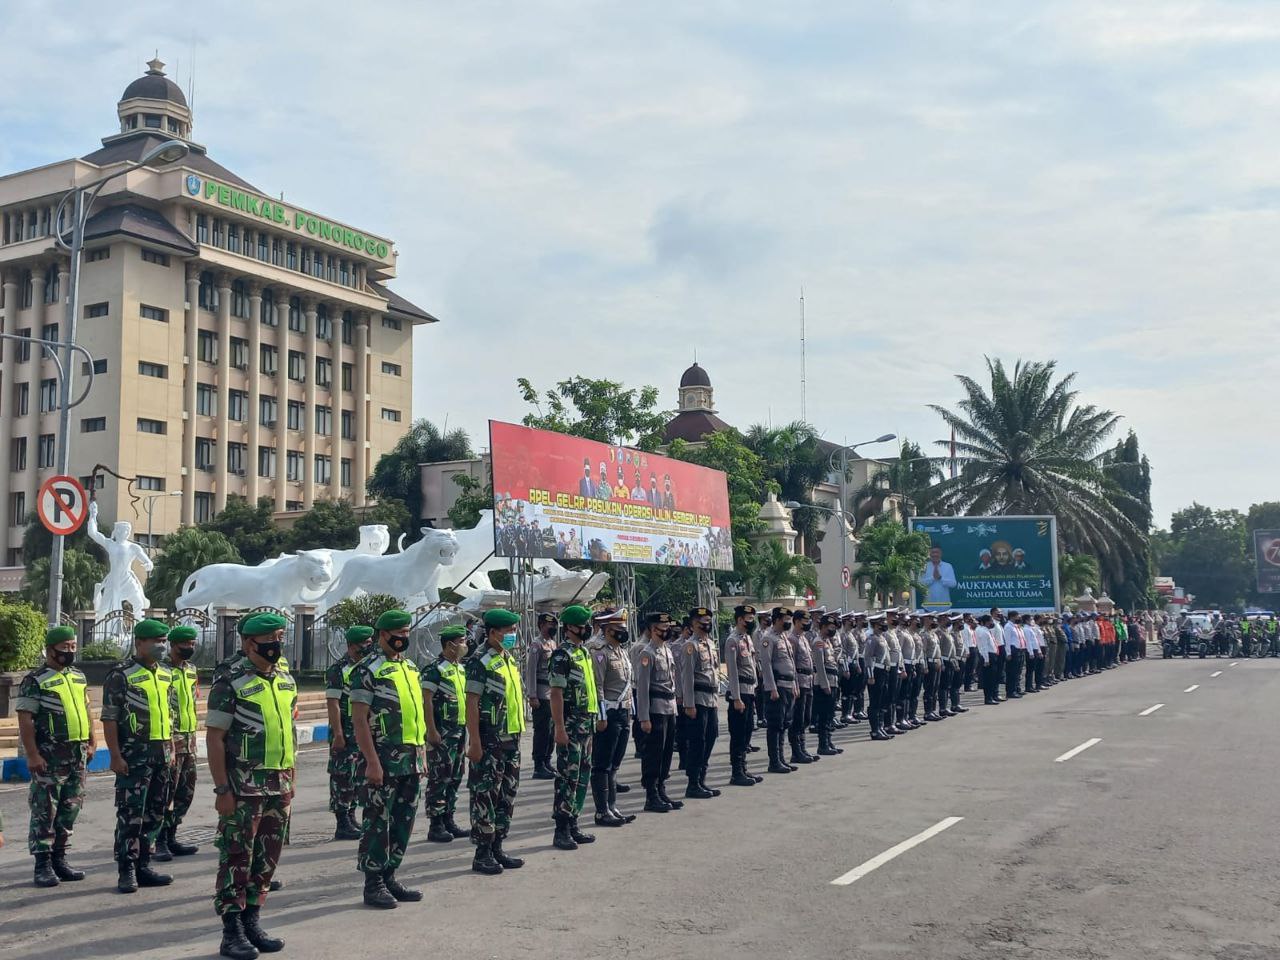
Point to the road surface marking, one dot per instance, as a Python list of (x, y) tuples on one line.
[(1194, 686), (1150, 710), (1217, 673), (862, 870), (1234, 663), (1074, 750)]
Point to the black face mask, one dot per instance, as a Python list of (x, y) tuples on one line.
[(749, 626), (621, 634), (270, 651), (398, 644), (186, 653), (366, 649), (64, 658)]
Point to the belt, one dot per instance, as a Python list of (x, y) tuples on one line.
[(705, 688), (779, 676), (803, 672), (617, 705), (661, 695)]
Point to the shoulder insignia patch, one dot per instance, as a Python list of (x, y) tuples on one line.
[(645, 660), (689, 648)]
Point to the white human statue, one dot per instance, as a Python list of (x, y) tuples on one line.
[(415, 571), (277, 584), (121, 584)]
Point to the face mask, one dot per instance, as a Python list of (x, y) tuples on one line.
[(622, 634), (156, 651), (508, 641), (186, 653), (270, 651), (366, 649), (749, 626), (397, 643), (64, 658)]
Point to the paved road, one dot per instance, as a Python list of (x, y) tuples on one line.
[(1156, 841)]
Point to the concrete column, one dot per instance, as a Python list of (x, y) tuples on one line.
[(34, 419), (282, 394), (8, 364), (191, 322), (360, 387), (309, 411), (255, 343), (332, 395), (221, 473)]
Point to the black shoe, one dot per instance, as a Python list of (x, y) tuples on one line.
[(673, 804), (500, 855), (799, 758), (612, 804), (346, 828), (394, 887), (777, 766), (654, 803), (624, 817), (702, 782), (127, 881), (451, 825), (439, 833), (578, 835), (959, 709), (376, 893), (160, 851), (256, 935), (695, 790), (183, 849), (740, 777), (44, 875), (484, 862), (622, 787), (752, 748), (275, 885), (63, 870), (607, 818), (880, 735), (543, 773), (149, 878), (562, 840), (234, 943)]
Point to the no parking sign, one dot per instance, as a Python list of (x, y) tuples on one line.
[(62, 505)]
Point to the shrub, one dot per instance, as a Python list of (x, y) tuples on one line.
[(22, 630), (102, 650)]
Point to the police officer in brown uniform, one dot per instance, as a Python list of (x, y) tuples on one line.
[(826, 681), (538, 684), (802, 711), (656, 711), (777, 685), (614, 680), (699, 685), (740, 668), (937, 652), (875, 660)]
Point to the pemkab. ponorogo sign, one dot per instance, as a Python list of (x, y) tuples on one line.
[(977, 563)]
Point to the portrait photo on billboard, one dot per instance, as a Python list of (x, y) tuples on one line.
[(976, 563), (1266, 560)]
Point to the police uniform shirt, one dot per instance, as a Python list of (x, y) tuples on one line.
[(826, 666), (803, 655), (875, 651), (613, 672), (699, 672), (907, 645), (655, 682), (536, 665), (893, 646), (740, 665), (777, 665)]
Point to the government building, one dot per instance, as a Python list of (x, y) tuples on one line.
[(242, 345)]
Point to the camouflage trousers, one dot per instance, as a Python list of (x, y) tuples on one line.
[(342, 781), (493, 783), (444, 772), (249, 842), (180, 790), (142, 795), (55, 798), (389, 813), (573, 767)]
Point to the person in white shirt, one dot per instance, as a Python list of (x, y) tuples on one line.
[(1015, 649), (1035, 654), (938, 580), (988, 652)]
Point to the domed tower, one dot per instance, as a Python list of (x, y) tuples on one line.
[(154, 102), (696, 415), (695, 390)]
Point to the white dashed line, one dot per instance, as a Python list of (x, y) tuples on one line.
[(1234, 664), (1194, 686), (1074, 750), (1217, 673), (863, 869), (1150, 710)]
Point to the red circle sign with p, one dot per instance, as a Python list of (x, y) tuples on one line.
[(62, 505)]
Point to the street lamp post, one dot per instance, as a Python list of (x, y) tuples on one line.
[(81, 200), (151, 500)]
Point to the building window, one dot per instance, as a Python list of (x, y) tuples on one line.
[(151, 483), (248, 242), (237, 406), (206, 346), (391, 369), (324, 420), (240, 353), (235, 458), (50, 332), (93, 256), (48, 395), (324, 371), (18, 454), (24, 346), (153, 313), (173, 128), (324, 327), (206, 400), (263, 253), (348, 327), (151, 120), (333, 269), (344, 273), (346, 377), (208, 296), (28, 290), (277, 252), (240, 300), (292, 257), (297, 414), (202, 228), (293, 466), (93, 425), (297, 366), (267, 309), (146, 425), (99, 366), (45, 450), (159, 259), (204, 453), (268, 411), (391, 323), (217, 232), (268, 359), (348, 425), (323, 469), (293, 505), (266, 461), (92, 310), (204, 507), (23, 401), (317, 265), (390, 415), (344, 474), (158, 370), (297, 322), (17, 509), (233, 238), (52, 280)]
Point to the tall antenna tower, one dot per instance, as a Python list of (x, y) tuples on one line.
[(802, 357)]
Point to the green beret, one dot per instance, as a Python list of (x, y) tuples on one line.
[(500, 618), (393, 620), (150, 630), (59, 634), (183, 633), (357, 635), (256, 624), (575, 616), (452, 633)]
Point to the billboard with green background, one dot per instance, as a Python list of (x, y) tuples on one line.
[(1006, 562)]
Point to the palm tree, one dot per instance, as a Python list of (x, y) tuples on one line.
[(1028, 447), (909, 477), (1077, 572), (182, 554), (794, 462), (890, 558), (772, 572), (81, 571), (396, 475)]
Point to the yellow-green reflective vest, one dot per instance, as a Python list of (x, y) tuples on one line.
[(505, 668), (582, 660), (452, 674), (270, 700), (184, 682), (404, 677), (155, 686), (70, 689)]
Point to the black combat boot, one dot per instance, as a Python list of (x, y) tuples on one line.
[(563, 840), (505, 861), (620, 787), (798, 755), (600, 793), (376, 893), (452, 827), (160, 852), (826, 748), (694, 790), (654, 803), (347, 828), (578, 835), (253, 932), (484, 862), (542, 771), (234, 943), (127, 882), (438, 832), (740, 776), (774, 740), (614, 789), (662, 792), (394, 887), (63, 870), (702, 782), (44, 875), (179, 849), (148, 877)]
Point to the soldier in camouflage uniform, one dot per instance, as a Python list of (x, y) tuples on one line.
[(56, 729), (139, 707), (343, 748), (251, 740), (495, 720), (181, 788), (576, 714), (388, 717), (444, 695)]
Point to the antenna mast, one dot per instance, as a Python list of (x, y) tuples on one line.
[(802, 358)]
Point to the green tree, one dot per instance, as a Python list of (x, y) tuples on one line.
[(80, 572), (909, 477), (1028, 447), (22, 629), (794, 461), (37, 541), (251, 530), (335, 524), (890, 558), (364, 609), (396, 475), (1129, 576), (1205, 554), (1077, 572), (727, 451), (600, 410), (474, 497), (772, 572), (182, 553)]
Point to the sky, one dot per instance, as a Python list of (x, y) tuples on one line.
[(608, 189)]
